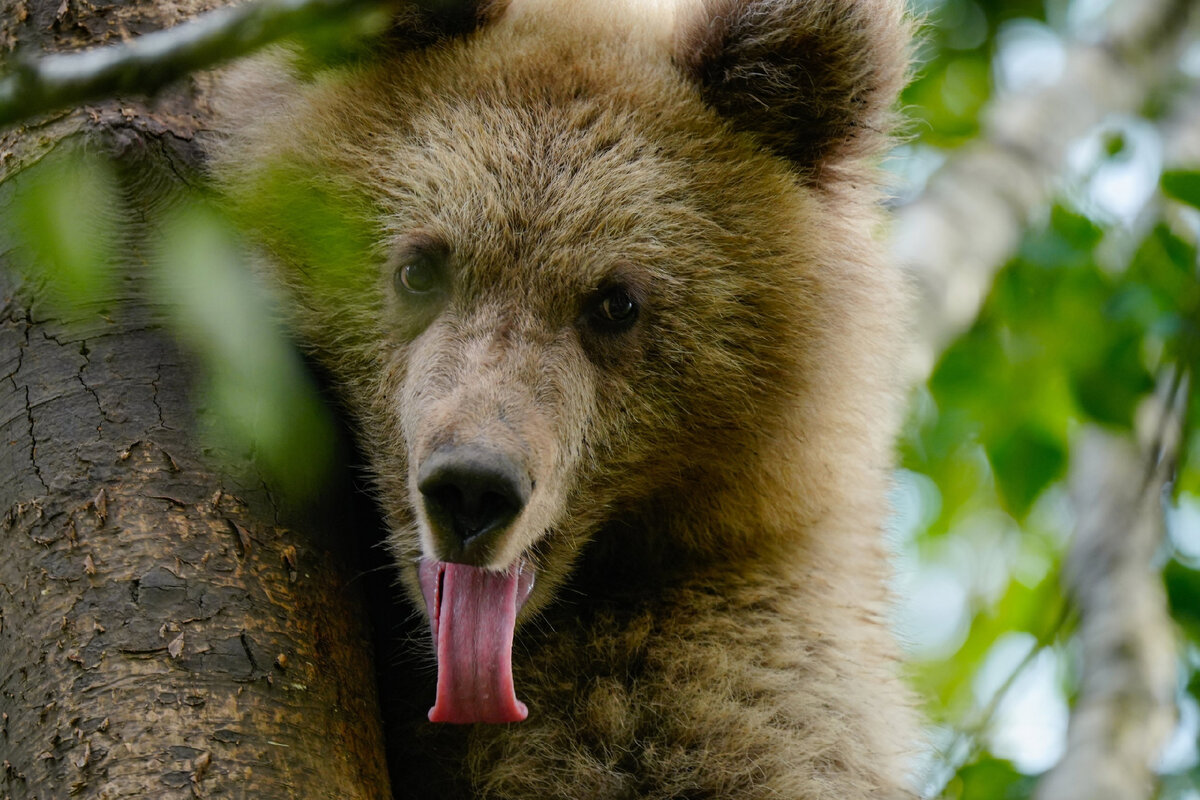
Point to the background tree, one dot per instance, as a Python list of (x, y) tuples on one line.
[(1049, 218)]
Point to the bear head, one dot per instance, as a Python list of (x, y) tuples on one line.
[(585, 273)]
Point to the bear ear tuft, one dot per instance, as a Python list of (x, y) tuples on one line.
[(815, 80), (421, 25)]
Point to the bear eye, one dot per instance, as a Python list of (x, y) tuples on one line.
[(421, 271), (614, 309)]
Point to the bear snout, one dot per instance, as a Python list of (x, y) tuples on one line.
[(471, 494)]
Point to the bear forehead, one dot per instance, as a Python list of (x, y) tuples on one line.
[(542, 189), (536, 115), (559, 147), (506, 151)]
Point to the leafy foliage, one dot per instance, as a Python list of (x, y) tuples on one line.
[(1086, 321), (67, 223), (62, 222)]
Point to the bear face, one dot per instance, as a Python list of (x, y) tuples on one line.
[(604, 297), (589, 283)]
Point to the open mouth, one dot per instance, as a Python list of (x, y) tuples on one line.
[(473, 614)]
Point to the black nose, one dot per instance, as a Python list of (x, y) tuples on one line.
[(471, 494)]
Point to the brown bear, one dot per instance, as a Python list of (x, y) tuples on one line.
[(602, 286)]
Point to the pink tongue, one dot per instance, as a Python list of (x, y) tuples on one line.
[(473, 613)]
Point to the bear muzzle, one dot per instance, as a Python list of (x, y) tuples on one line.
[(471, 493)]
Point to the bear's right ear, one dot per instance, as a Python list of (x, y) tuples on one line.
[(422, 25), (814, 80)]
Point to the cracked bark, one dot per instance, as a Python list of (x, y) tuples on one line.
[(162, 633)]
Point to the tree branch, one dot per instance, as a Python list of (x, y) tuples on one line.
[(1125, 709), (152, 61)]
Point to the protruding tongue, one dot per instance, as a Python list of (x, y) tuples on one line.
[(473, 613)]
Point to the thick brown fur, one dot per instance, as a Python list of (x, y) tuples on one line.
[(709, 614)]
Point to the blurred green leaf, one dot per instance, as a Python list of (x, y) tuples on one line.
[(1002, 10), (1115, 143), (1025, 460), (1054, 342), (1180, 786), (1163, 269), (948, 96), (1183, 593), (351, 40), (1183, 185), (943, 446), (991, 779), (1037, 610), (1109, 389), (66, 219), (319, 224), (973, 372), (1065, 243), (261, 398), (1188, 479)]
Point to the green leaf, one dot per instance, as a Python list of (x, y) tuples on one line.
[(991, 779), (320, 225), (1067, 242), (1025, 461), (67, 219), (1164, 265), (948, 97), (344, 42), (944, 447), (1183, 593), (1109, 389), (973, 372), (1115, 143), (1036, 610), (1183, 185), (1188, 479), (262, 400)]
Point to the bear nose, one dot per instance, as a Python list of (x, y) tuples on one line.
[(471, 495)]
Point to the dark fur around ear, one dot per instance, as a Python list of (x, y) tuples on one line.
[(422, 25), (815, 80)]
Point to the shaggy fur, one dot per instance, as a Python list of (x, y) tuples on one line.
[(708, 619)]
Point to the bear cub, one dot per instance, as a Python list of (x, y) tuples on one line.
[(601, 284)]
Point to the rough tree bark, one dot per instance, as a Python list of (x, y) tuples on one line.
[(166, 629)]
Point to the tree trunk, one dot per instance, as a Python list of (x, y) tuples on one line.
[(167, 630)]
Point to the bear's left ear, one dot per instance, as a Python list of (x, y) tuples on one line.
[(814, 80)]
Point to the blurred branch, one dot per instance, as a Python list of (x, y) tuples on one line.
[(1125, 709), (970, 219), (149, 62), (968, 740)]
